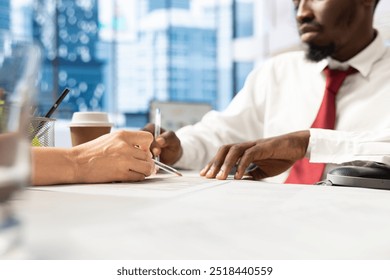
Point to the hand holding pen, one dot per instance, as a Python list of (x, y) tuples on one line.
[(166, 146), (169, 147)]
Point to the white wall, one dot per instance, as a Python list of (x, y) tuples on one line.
[(382, 18), (275, 29)]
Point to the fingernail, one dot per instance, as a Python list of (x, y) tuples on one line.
[(204, 169)]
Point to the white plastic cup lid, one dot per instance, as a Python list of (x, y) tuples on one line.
[(90, 119)]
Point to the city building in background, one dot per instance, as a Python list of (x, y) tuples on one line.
[(243, 27), (170, 53), (69, 34), (5, 14), (120, 55), (177, 59)]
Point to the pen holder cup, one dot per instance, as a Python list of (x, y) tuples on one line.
[(41, 132)]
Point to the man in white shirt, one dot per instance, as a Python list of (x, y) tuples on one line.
[(271, 117)]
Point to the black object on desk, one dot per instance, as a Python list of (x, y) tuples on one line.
[(40, 125), (57, 103), (376, 176)]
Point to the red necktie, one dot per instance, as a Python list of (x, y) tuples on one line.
[(304, 172)]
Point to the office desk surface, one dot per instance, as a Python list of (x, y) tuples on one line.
[(168, 217)]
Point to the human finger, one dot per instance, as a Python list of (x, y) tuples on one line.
[(246, 159), (230, 161), (217, 161), (169, 147), (159, 143), (233, 159), (168, 138), (127, 171), (154, 146), (134, 176), (149, 127), (142, 166), (205, 169), (138, 159)]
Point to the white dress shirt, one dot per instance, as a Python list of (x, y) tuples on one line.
[(284, 95)]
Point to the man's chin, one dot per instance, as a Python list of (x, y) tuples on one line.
[(317, 53)]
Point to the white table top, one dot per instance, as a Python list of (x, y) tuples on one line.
[(168, 217)]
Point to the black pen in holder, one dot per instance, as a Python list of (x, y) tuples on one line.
[(41, 130)]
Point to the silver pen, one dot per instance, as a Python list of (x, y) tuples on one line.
[(157, 127), (167, 168), (163, 166)]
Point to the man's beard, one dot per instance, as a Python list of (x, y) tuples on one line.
[(317, 53)]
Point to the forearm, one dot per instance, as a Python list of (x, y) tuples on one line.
[(241, 121), (52, 166)]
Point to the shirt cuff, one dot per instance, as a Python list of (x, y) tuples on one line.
[(328, 147), (332, 146)]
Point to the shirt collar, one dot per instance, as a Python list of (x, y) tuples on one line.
[(363, 61)]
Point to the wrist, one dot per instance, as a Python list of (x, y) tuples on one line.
[(300, 143), (52, 166), (305, 139), (180, 154), (74, 172)]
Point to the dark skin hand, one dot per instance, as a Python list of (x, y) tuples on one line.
[(272, 156), (167, 145)]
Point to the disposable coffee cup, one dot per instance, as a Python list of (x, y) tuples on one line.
[(87, 126)]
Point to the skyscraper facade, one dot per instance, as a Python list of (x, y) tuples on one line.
[(178, 62), (68, 32), (5, 14), (168, 4), (176, 54), (243, 27), (173, 50)]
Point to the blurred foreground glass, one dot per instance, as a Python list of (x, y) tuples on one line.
[(19, 67)]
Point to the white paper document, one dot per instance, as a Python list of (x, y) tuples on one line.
[(161, 185)]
